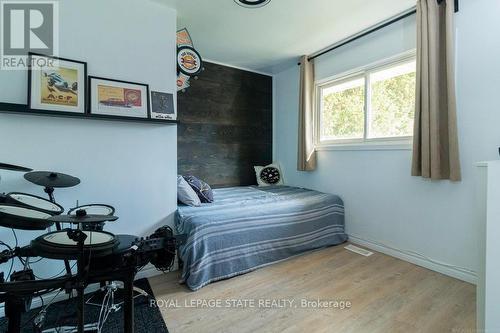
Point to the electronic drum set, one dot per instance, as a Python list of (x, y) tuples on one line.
[(101, 257)]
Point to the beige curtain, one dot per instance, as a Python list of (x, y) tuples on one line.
[(306, 160), (435, 146)]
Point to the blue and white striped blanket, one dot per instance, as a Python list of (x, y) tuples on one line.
[(251, 227)]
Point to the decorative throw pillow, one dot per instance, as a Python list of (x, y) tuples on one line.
[(186, 194), (269, 175), (201, 188)]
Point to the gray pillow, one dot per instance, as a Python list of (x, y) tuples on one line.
[(186, 194)]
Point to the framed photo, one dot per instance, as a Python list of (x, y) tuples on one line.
[(56, 84), (162, 105), (118, 98)]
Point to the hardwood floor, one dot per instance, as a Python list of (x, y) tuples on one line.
[(387, 295)]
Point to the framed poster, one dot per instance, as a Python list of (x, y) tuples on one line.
[(56, 84), (162, 105), (118, 98)]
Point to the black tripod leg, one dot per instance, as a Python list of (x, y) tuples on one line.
[(14, 324), (50, 192), (128, 310), (67, 267), (13, 310), (66, 262), (80, 310), (81, 263)]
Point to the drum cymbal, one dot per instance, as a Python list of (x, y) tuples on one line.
[(51, 179), (89, 218), (11, 167)]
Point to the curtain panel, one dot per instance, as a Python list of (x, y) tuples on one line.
[(435, 141), (306, 159)]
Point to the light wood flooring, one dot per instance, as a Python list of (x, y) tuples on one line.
[(387, 295)]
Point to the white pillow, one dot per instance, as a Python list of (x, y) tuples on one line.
[(186, 194), (269, 175)]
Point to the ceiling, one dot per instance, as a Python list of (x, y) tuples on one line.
[(269, 39)]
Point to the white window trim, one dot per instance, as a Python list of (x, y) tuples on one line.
[(389, 143)]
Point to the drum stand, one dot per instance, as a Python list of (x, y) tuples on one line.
[(79, 237), (50, 193), (82, 278), (109, 290), (80, 283), (14, 307)]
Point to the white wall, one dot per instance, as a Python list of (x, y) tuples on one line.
[(131, 166), (384, 204)]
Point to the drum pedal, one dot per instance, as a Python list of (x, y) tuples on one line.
[(39, 320), (115, 288)]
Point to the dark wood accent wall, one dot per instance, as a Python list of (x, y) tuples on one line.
[(225, 126)]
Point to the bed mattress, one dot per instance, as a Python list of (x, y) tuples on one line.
[(251, 227)]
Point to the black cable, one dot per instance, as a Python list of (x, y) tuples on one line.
[(15, 236), (67, 310), (44, 309), (30, 262), (10, 269), (6, 245), (34, 262), (11, 260), (61, 273)]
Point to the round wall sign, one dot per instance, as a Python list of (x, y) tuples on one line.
[(189, 61)]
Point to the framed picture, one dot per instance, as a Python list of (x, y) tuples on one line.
[(162, 105), (118, 98), (56, 84)]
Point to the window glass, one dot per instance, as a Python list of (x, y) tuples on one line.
[(392, 102), (378, 103), (342, 110)]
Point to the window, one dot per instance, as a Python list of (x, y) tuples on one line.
[(375, 104)]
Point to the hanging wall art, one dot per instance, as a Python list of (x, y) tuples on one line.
[(189, 61)]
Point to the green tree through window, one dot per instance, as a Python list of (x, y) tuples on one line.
[(390, 106), (343, 113), (393, 106)]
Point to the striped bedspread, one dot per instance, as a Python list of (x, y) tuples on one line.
[(251, 227)]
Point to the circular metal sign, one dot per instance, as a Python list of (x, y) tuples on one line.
[(189, 61)]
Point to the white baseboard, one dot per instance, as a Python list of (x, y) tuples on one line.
[(417, 259)]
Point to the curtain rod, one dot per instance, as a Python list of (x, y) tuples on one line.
[(371, 30)]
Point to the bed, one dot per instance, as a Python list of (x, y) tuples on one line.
[(250, 227)]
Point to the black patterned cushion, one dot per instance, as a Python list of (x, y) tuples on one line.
[(201, 188), (269, 175)]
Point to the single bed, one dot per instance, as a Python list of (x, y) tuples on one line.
[(251, 227)]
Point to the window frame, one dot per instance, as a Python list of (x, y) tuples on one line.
[(365, 143)]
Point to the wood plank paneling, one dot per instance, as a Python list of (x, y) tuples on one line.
[(225, 126)]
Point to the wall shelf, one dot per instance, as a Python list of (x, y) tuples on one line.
[(25, 110)]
